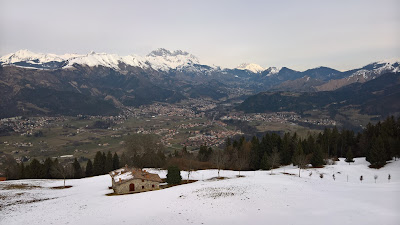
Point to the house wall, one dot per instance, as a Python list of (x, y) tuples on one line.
[(140, 185)]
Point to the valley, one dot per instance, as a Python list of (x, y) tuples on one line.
[(72, 106), (189, 123)]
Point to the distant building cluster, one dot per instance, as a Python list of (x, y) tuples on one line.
[(279, 117)]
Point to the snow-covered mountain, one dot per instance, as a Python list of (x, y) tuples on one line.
[(35, 58), (160, 59), (273, 70), (368, 72), (76, 81), (255, 68)]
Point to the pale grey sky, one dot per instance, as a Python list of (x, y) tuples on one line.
[(341, 34)]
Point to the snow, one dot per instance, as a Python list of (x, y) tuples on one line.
[(273, 71), (255, 68), (257, 198), (160, 59), (34, 58)]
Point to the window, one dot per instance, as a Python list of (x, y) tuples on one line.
[(142, 180), (152, 186), (142, 187)]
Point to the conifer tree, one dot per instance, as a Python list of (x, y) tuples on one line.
[(254, 154), (77, 169), (103, 160), (377, 154), (108, 163), (264, 165), (48, 164), (297, 153), (36, 169), (98, 164), (174, 175), (317, 159), (89, 168), (54, 165), (286, 154), (124, 160), (349, 156), (116, 161)]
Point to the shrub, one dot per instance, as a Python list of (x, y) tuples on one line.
[(174, 175)]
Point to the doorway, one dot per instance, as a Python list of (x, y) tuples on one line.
[(132, 187)]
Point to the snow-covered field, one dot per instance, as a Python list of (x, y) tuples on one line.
[(257, 198)]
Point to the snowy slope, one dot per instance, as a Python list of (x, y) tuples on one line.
[(257, 198)]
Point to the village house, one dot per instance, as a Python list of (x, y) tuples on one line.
[(128, 180)]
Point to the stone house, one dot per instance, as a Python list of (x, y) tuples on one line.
[(127, 180)]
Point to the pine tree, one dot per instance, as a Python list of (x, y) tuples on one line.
[(36, 169), (349, 156), (286, 154), (297, 153), (47, 168), (77, 169), (124, 160), (103, 163), (204, 153), (89, 169), (264, 165), (115, 161), (254, 154), (317, 159), (53, 171), (174, 175), (377, 154), (98, 164), (109, 163)]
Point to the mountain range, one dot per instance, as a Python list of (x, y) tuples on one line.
[(70, 84)]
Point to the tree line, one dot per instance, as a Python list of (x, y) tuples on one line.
[(378, 143), (53, 169)]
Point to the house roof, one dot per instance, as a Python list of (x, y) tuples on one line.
[(125, 174)]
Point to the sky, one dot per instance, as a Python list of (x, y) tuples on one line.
[(342, 34)]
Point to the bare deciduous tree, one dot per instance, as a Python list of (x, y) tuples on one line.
[(189, 159), (243, 156), (219, 159), (302, 161), (143, 147), (274, 159), (61, 170)]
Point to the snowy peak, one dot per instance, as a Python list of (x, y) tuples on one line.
[(96, 59), (163, 59), (273, 70), (160, 59), (34, 58), (255, 68)]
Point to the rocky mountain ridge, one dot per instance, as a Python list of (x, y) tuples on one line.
[(113, 81)]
